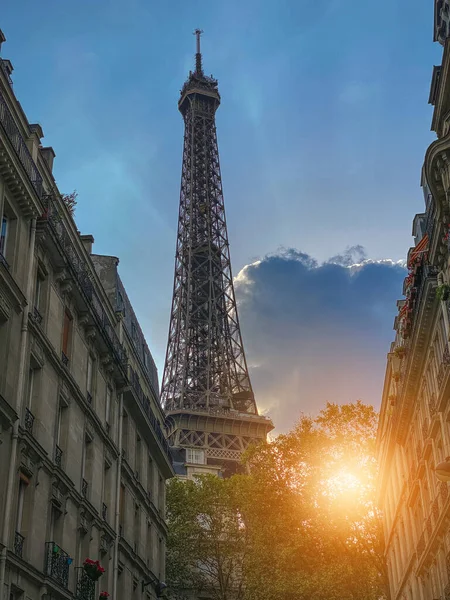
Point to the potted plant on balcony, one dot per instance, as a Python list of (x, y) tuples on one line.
[(443, 292), (93, 569), (103, 596)]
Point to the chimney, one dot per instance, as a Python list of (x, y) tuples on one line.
[(88, 241), (34, 141), (48, 154)]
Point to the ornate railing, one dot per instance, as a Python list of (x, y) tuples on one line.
[(18, 544), (145, 403), (89, 397), (436, 509), (57, 563), (83, 274), (85, 589), (19, 145), (58, 456), (84, 488), (65, 359), (104, 511), (29, 421)]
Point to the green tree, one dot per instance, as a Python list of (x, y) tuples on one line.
[(302, 525), (206, 542)]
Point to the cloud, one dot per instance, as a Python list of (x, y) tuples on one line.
[(317, 332)]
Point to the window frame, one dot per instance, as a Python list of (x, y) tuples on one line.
[(4, 236)]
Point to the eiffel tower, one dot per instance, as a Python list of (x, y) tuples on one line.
[(212, 415)]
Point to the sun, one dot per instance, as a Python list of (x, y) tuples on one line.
[(343, 483)]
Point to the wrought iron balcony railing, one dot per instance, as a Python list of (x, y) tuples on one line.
[(84, 488), (84, 276), (145, 403), (437, 508), (58, 456), (85, 589), (57, 563), (18, 143), (18, 544), (29, 421), (104, 511)]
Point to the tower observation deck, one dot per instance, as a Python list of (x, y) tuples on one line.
[(212, 415)]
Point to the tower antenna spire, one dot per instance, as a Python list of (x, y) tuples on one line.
[(198, 54)]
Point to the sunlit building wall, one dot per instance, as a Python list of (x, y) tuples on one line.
[(83, 457), (414, 429)]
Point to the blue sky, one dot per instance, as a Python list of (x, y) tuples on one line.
[(322, 130)]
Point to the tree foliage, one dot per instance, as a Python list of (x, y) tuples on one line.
[(70, 200), (301, 525)]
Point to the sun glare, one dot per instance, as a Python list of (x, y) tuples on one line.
[(343, 483)]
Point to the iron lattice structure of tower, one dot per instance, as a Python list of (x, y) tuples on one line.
[(206, 389)]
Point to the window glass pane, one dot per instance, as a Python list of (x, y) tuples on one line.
[(3, 235)]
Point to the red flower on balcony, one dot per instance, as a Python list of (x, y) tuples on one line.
[(103, 595), (93, 569)]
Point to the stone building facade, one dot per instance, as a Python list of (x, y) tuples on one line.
[(414, 428), (83, 456)]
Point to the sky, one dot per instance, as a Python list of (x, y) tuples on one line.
[(322, 131)]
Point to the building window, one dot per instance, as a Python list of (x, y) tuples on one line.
[(150, 477), (3, 235), (67, 332), (30, 387), (124, 433), (108, 406), (37, 292), (195, 456), (23, 485), (89, 378), (122, 509)]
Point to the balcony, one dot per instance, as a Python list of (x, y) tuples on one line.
[(58, 456), (57, 563), (433, 521), (84, 488), (18, 143), (29, 421), (85, 589), (83, 274), (145, 403), (18, 544)]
